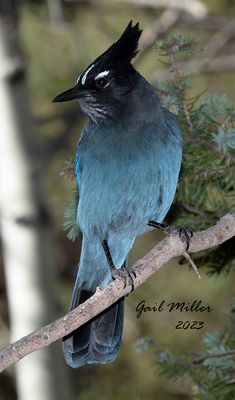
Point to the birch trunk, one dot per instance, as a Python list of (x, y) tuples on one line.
[(56, 14), (24, 222)]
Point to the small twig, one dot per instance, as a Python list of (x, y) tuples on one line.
[(228, 119), (68, 171), (158, 29), (193, 265), (220, 39), (180, 89), (214, 45), (220, 354), (216, 172), (212, 146), (193, 209)]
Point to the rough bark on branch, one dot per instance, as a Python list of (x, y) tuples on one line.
[(165, 250)]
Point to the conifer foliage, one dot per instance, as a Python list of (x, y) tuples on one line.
[(212, 373), (206, 191)]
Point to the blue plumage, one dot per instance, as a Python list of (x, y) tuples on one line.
[(127, 166)]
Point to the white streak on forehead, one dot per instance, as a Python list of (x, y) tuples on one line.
[(101, 74), (84, 75)]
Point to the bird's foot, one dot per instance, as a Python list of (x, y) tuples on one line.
[(184, 232), (125, 274)]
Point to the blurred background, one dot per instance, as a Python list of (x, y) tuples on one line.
[(44, 46)]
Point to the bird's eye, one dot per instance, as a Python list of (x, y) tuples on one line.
[(101, 82)]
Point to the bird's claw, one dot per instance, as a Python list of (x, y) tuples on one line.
[(184, 232), (126, 275)]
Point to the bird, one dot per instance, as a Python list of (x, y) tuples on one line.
[(127, 168)]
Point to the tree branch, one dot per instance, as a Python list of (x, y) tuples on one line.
[(195, 8), (225, 353), (170, 247), (218, 64), (156, 30)]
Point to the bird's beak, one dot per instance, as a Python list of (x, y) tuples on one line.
[(70, 94)]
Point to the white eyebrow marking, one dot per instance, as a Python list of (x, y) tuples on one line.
[(84, 75), (101, 74)]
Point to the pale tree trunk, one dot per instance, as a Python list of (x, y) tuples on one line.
[(24, 223), (56, 14)]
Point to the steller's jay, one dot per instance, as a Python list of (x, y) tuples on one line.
[(127, 166)]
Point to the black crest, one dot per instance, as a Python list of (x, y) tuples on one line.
[(122, 51)]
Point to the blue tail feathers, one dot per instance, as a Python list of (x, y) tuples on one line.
[(97, 341)]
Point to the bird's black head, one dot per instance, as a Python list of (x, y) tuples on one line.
[(103, 86)]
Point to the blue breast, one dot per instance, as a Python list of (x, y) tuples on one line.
[(127, 175)]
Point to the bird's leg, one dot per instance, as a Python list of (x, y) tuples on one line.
[(184, 232), (125, 273), (108, 255)]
